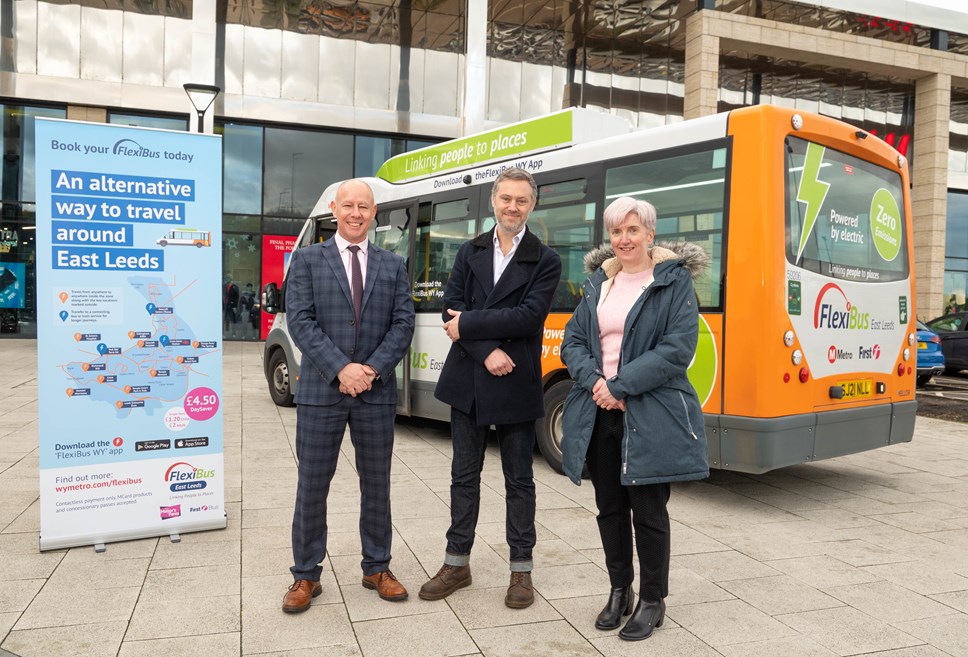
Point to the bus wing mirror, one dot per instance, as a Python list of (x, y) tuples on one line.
[(271, 299)]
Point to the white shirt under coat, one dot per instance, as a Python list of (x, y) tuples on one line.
[(500, 260), (346, 256)]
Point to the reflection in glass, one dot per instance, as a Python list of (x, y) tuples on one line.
[(372, 152), (18, 159), (299, 165), (688, 192), (149, 121), (434, 256), (241, 262), (242, 162)]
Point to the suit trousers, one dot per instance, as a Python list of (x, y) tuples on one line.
[(517, 460), (624, 508), (319, 434)]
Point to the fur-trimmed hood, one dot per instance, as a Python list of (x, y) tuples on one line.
[(694, 258)]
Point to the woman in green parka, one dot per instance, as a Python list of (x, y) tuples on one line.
[(632, 414)]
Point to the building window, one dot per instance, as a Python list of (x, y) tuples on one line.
[(179, 123), (299, 165), (241, 168), (956, 253)]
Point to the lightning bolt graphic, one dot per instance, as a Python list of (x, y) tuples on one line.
[(812, 192)]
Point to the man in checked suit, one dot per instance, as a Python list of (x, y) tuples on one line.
[(496, 301), (353, 323)]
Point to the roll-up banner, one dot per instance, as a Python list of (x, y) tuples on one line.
[(129, 259)]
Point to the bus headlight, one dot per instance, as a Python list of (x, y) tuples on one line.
[(797, 121), (797, 357), (788, 338), (911, 339), (901, 161), (906, 354)]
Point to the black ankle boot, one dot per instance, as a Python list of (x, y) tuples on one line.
[(647, 616), (619, 604)]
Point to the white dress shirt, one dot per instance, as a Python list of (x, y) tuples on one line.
[(500, 260), (345, 254)]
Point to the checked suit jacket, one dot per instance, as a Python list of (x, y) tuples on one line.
[(322, 321)]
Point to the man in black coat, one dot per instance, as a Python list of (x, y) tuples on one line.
[(495, 304)]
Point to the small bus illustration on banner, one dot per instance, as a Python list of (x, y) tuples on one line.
[(187, 237)]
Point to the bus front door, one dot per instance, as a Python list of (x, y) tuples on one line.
[(393, 230)]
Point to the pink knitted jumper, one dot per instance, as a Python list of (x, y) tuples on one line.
[(612, 311)]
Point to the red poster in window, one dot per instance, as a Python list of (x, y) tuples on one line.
[(275, 255)]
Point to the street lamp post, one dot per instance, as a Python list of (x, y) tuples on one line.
[(202, 96)]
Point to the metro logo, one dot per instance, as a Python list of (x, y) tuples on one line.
[(835, 311)]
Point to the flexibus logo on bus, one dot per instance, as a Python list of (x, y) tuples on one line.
[(827, 313), (184, 476)]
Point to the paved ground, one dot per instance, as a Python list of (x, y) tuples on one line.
[(861, 555)]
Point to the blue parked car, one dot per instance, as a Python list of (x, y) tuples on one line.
[(930, 356)]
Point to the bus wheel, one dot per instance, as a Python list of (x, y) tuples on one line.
[(279, 388), (163, 242), (199, 244), (549, 427)]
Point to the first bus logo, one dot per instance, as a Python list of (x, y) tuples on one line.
[(835, 311), (183, 476)]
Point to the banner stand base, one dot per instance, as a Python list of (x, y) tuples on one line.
[(99, 548), (175, 538)]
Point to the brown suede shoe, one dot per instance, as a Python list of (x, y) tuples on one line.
[(447, 580), (520, 592), (300, 595), (386, 585)]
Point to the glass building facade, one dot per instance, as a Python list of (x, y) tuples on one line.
[(315, 91)]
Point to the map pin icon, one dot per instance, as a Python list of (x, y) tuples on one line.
[(164, 340), (62, 296), (130, 334), (152, 373), (141, 343), (151, 308), (77, 337), (70, 392), (85, 366), (100, 378), (64, 315), (195, 344), (102, 348)]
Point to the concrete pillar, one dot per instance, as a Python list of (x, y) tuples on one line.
[(929, 195), (87, 113), (702, 69)]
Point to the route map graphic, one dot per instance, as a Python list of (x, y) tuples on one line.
[(156, 363)]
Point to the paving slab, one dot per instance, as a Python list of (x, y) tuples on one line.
[(863, 554)]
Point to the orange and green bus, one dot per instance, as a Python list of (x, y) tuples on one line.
[(807, 336)]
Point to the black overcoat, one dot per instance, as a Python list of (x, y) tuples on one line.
[(509, 315)]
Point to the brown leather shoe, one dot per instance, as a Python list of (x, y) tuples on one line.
[(520, 592), (388, 586), (300, 595), (447, 580)]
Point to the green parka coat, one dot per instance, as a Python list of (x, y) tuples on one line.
[(664, 439)]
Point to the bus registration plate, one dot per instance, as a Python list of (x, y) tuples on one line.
[(857, 389)]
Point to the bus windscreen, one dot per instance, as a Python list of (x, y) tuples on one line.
[(845, 216)]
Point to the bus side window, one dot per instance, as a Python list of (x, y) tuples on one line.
[(441, 230), (689, 195), (569, 231)]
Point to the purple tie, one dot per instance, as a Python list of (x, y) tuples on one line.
[(356, 284)]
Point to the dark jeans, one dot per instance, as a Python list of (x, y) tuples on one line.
[(622, 508), (517, 454)]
